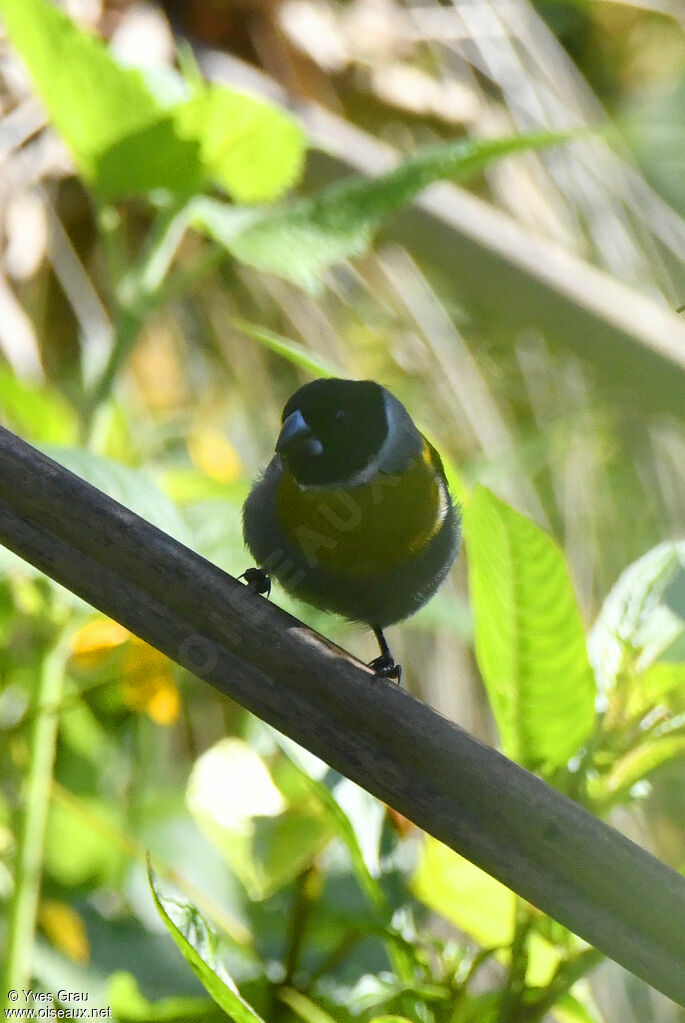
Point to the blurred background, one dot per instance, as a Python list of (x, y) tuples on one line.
[(530, 326)]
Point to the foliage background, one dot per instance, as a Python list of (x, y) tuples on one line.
[(192, 414)]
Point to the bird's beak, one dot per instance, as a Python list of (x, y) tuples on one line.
[(296, 438)]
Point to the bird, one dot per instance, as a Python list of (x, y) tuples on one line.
[(353, 513)]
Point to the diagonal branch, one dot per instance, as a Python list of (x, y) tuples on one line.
[(523, 832)]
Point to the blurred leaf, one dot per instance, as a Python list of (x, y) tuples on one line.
[(294, 352), (151, 157), (634, 766), (653, 124), (674, 594), (314, 772), (124, 485), (65, 929), (308, 235), (187, 485), (217, 527), (463, 893), (661, 683), (77, 853), (35, 411), (477, 904), (214, 455), (265, 842), (199, 946), (529, 637), (129, 1005), (570, 1010), (122, 138), (483, 1008), (92, 644), (254, 150), (304, 1008), (82, 733), (92, 101), (636, 625), (390, 1019), (455, 481), (378, 992), (148, 684)]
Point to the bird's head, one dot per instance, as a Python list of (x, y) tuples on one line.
[(334, 430)]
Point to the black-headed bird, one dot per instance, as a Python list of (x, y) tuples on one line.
[(353, 513)]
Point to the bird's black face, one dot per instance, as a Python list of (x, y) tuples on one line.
[(332, 429)]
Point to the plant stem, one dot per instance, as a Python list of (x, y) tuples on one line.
[(32, 820), (568, 974), (139, 291), (516, 978)]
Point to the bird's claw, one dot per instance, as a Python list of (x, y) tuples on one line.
[(257, 580), (385, 667)]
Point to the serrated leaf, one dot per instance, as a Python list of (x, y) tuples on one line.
[(309, 235), (125, 141), (529, 638), (636, 625), (198, 944), (251, 148)]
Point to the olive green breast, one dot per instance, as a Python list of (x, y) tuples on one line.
[(365, 529)]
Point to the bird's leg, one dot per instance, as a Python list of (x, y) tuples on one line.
[(385, 664), (257, 580)]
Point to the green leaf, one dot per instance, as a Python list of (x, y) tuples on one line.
[(483, 1008), (660, 683), (570, 1010), (294, 352), (304, 1008), (463, 893), (640, 620), (477, 904), (36, 411), (313, 772), (130, 1006), (125, 485), (92, 101), (124, 141), (529, 637), (254, 150), (76, 853), (390, 1019), (264, 841), (309, 235), (199, 947), (633, 767), (153, 156)]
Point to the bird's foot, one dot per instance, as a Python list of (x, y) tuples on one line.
[(257, 580), (385, 667), (385, 664)]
